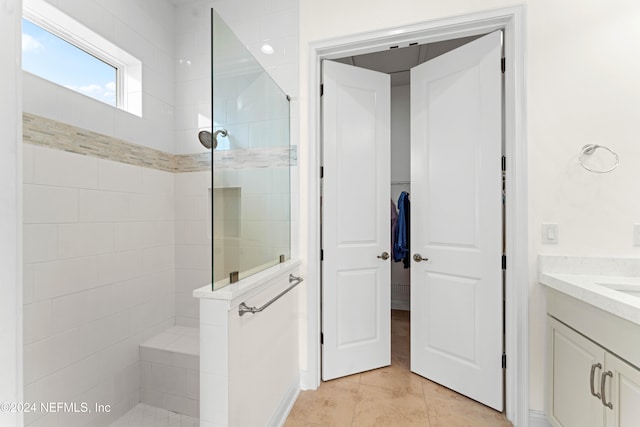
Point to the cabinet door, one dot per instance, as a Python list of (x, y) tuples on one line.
[(570, 360), (622, 390)]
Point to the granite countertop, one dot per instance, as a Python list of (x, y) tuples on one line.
[(618, 295), (610, 284)]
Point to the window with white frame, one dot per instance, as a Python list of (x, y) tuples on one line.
[(58, 48)]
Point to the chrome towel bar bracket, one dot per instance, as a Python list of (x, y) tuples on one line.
[(589, 149), (244, 308)]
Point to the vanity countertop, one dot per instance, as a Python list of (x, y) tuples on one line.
[(618, 295)]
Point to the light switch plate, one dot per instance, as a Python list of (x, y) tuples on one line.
[(636, 234), (550, 234)]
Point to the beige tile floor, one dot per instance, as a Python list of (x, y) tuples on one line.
[(391, 396)]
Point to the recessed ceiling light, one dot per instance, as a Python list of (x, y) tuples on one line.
[(267, 49)]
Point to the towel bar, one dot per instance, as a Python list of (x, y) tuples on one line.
[(244, 308)]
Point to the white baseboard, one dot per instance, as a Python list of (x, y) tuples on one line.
[(306, 382), (538, 419), (281, 413)]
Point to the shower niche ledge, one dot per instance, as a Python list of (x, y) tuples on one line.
[(247, 287)]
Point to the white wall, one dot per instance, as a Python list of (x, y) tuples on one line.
[(400, 135), (582, 88), (99, 269), (145, 29), (10, 211)]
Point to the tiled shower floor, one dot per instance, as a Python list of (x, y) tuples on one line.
[(143, 415)]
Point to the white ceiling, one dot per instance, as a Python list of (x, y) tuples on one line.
[(399, 61)]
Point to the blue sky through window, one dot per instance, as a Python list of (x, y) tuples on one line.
[(54, 59)]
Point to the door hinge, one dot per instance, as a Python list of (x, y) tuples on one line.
[(504, 163), (504, 361), (321, 89), (504, 262), (503, 64), (321, 171), (321, 338), (321, 254)]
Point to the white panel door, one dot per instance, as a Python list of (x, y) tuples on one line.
[(356, 220), (456, 220)]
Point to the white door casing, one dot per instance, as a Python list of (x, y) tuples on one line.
[(513, 20), (456, 220), (356, 220)]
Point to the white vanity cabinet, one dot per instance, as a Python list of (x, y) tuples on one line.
[(571, 360), (625, 393), (593, 341), (587, 385)]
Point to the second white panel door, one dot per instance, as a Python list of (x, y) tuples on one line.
[(456, 220)]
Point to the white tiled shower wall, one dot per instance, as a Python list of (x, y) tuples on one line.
[(193, 75), (113, 252), (192, 114), (99, 278), (193, 244), (145, 29), (99, 235)]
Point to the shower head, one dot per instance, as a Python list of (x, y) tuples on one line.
[(208, 140)]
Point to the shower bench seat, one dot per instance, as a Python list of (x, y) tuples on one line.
[(169, 365)]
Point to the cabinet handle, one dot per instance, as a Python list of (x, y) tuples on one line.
[(593, 373), (603, 380)]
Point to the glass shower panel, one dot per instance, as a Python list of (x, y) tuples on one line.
[(251, 161)]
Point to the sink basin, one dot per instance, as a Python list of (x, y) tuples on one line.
[(626, 288)]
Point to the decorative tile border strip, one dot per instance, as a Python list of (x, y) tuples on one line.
[(281, 156), (49, 133), (53, 134), (193, 162)]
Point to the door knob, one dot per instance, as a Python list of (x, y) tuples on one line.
[(418, 258), (384, 255)]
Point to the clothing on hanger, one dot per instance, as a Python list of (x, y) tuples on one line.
[(401, 247), (394, 224)]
